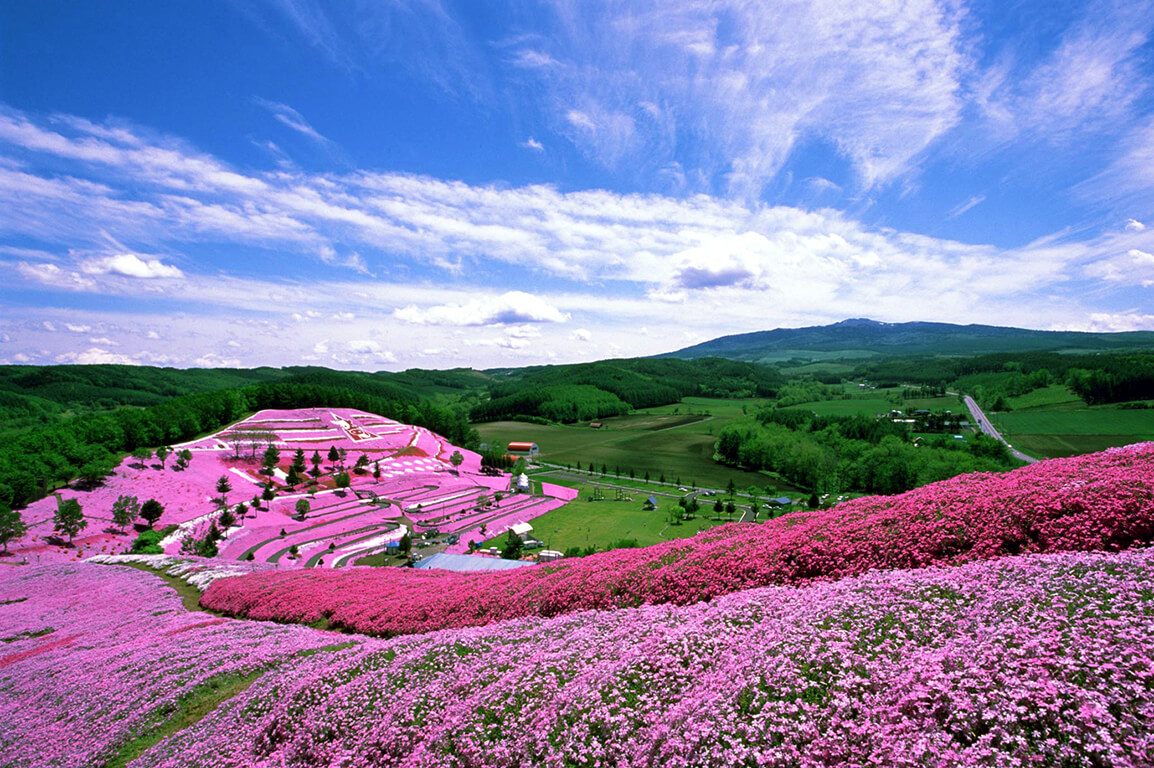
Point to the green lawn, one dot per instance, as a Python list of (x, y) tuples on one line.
[(583, 523)]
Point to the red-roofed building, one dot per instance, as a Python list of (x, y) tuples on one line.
[(525, 448)]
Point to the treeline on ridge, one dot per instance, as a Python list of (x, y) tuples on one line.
[(584, 391), (1096, 378), (89, 446)]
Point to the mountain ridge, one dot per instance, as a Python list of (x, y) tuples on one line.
[(864, 337)]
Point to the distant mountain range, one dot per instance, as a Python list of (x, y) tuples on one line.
[(861, 338)]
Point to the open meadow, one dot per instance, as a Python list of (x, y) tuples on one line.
[(676, 441)]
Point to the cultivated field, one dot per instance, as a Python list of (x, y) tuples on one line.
[(1052, 422)]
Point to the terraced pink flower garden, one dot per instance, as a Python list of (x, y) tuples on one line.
[(1101, 501), (341, 526)]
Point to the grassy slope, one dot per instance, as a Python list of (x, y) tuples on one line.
[(676, 440)]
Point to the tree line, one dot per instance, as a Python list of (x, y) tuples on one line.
[(585, 391)]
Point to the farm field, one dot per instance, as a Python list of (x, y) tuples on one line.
[(1060, 431), (677, 440)]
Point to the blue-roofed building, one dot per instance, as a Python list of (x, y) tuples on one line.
[(469, 563)]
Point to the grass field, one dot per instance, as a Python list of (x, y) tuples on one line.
[(1056, 397), (583, 523), (676, 440), (1059, 430)]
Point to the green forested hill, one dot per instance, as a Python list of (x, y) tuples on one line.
[(858, 338)]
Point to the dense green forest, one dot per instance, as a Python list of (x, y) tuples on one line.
[(570, 393), (88, 445), (852, 453)]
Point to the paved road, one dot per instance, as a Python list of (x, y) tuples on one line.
[(985, 425)]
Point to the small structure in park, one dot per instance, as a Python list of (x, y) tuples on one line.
[(651, 503), (522, 483), (522, 529), (529, 449), (548, 555)]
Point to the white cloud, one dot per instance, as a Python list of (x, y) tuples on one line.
[(96, 356), (213, 360), (1133, 225), (78, 328), (733, 87), (533, 144), (1089, 81), (103, 340), (965, 205), (508, 308), (581, 334), (364, 347), (130, 265), (289, 117)]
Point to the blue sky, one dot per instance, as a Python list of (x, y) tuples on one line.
[(414, 183)]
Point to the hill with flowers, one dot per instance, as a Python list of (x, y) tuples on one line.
[(986, 620), (298, 487), (1102, 501)]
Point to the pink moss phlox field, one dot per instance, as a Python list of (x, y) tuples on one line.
[(92, 654), (1101, 501), (1030, 660), (413, 462)]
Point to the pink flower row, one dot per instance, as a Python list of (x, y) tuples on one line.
[(1101, 501)]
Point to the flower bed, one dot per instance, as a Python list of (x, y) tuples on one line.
[(95, 654), (1101, 501), (1036, 660)]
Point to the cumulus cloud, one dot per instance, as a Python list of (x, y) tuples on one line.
[(508, 308), (533, 144), (96, 356), (75, 328), (130, 265), (1133, 225)]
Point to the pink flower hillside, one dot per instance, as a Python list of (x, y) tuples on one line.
[(1041, 660), (92, 655), (1101, 501)]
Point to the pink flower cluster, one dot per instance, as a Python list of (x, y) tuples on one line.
[(93, 654), (1039, 660), (1101, 501)]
